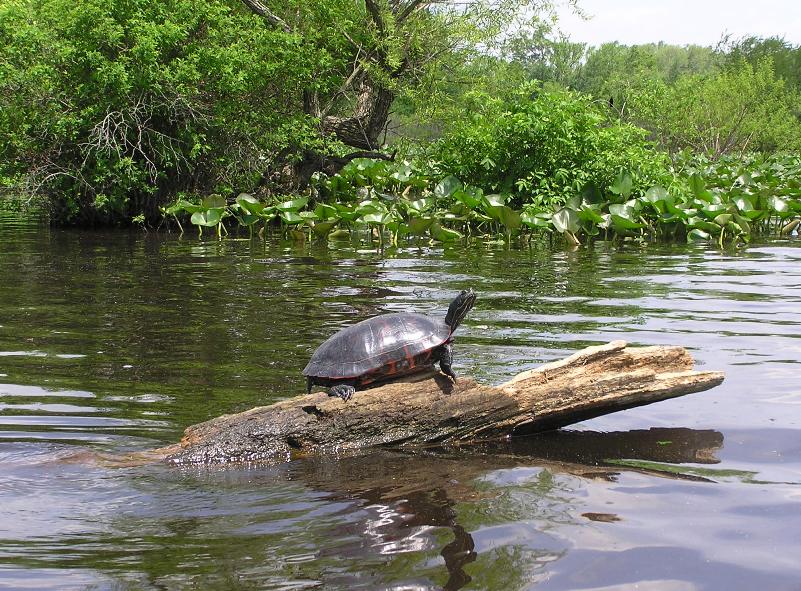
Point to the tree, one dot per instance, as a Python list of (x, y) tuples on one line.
[(382, 49), (743, 108), (785, 57), (546, 58), (110, 107)]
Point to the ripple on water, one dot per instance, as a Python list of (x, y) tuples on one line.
[(123, 340)]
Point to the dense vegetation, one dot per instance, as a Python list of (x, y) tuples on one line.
[(315, 120)]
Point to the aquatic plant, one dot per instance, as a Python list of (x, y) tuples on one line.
[(727, 200)]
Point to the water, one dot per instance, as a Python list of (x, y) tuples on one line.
[(114, 342)]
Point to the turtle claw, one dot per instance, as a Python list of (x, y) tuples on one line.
[(344, 391), (449, 374)]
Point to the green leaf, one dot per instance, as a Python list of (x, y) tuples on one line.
[(745, 227), (494, 200), (370, 206), (697, 185), (447, 187), (340, 234), (591, 213), (443, 234), (656, 194), (322, 229), (207, 218), (623, 224), (291, 217), (183, 205), (700, 193), (508, 217), (214, 201), (292, 206), (697, 235), (248, 219), (420, 205), (380, 218), (702, 224), (591, 194), (346, 212), (712, 211), (723, 219), (682, 212), (537, 220), (249, 203), (267, 213), (573, 202), (743, 203), (402, 173), (622, 185), (566, 220), (470, 196), (420, 226), (326, 212), (778, 204), (623, 210)]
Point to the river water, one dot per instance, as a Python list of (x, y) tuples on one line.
[(115, 342)]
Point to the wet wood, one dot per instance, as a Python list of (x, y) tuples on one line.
[(592, 382)]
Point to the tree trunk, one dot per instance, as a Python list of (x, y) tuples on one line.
[(592, 382), (363, 129)]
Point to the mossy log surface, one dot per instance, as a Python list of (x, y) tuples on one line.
[(592, 382)]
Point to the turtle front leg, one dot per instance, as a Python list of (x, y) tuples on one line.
[(344, 391), (446, 360)]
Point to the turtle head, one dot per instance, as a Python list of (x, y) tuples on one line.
[(459, 308)]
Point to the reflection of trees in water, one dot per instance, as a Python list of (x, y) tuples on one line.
[(409, 496), (478, 516)]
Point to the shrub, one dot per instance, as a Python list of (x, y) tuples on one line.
[(544, 146), (742, 109), (110, 106)]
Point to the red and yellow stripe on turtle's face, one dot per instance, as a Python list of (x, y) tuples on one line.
[(392, 368)]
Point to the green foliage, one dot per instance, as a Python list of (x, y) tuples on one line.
[(546, 57), (724, 200), (741, 109), (543, 147), (111, 106), (783, 56), (613, 70)]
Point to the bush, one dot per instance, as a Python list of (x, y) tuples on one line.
[(742, 109), (110, 106), (544, 146)]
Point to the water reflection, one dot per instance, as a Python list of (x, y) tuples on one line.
[(115, 342), (405, 494)]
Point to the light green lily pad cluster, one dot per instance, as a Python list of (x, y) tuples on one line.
[(728, 200)]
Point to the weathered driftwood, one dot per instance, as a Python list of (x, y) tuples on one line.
[(592, 382)]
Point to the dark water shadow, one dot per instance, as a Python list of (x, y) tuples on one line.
[(422, 488), (374, 519)]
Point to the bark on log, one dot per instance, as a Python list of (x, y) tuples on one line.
[(592, 382)]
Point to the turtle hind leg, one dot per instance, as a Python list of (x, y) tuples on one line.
[(344, 391), (446, 360)]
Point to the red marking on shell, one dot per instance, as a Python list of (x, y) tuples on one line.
[(383, 345)]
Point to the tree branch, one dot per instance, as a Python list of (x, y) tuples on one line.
[(269, 16)]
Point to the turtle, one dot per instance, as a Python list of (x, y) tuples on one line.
[(386, 347)]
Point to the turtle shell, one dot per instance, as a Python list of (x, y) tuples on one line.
[(377, 345)]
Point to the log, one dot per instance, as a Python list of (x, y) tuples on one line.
[(592, 382)]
